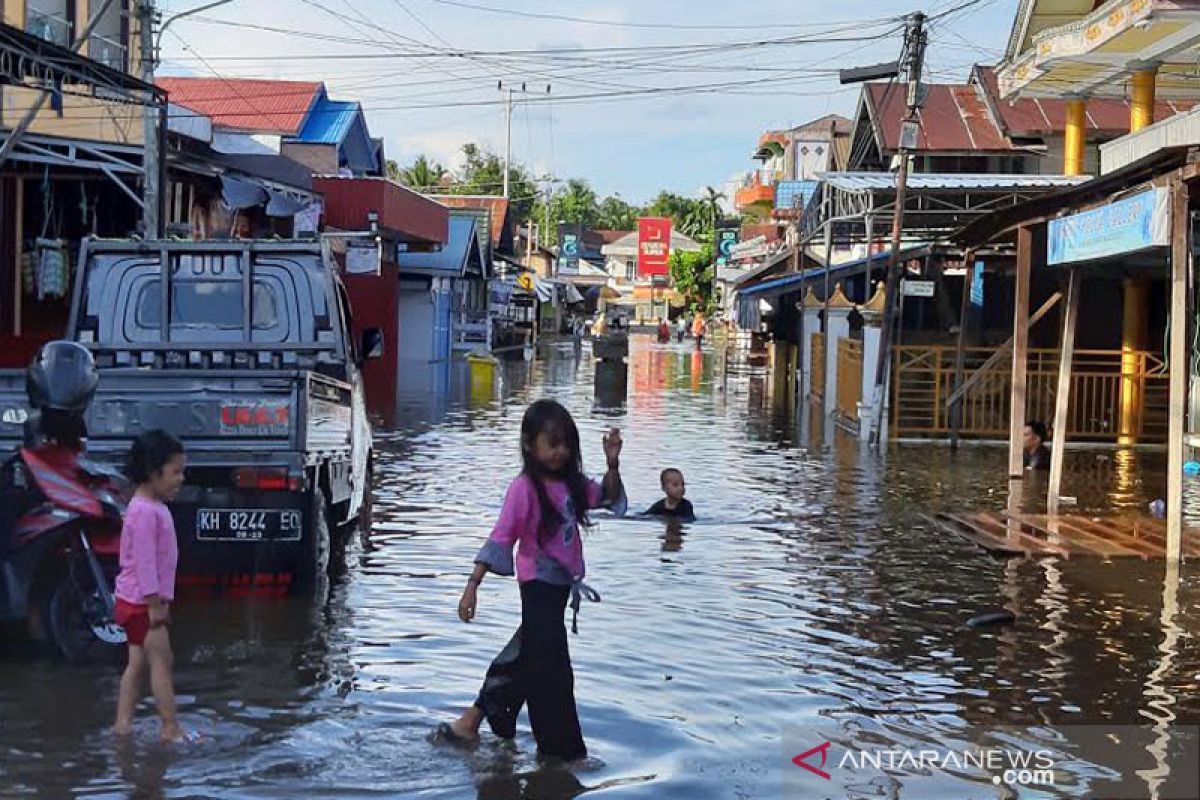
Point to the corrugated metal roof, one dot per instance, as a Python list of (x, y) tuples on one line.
[(949, 119), (246, 104), (497, 208), (792, 282), (794, 194), (329, 121), (882, 181), (454, 258)]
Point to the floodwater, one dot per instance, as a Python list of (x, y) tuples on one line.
[(811, 600)]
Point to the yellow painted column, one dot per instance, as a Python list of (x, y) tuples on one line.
[(1141, 106), (1133, 342), (1075, 139)]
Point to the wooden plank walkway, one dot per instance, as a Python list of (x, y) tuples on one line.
[(1065, 535)]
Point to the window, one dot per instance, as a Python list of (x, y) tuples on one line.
[(107, 41), (630, 270), (207, 304), (50, 20)]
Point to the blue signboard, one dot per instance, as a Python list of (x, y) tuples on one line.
[(726, 239), (569, 245), (1125, 226), (977, 285)]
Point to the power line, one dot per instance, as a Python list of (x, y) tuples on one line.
[(657, 25)]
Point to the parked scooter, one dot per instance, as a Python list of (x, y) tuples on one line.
[(60, 516)]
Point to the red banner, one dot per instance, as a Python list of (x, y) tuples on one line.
[(654, 246)]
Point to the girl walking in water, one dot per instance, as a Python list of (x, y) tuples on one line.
[(542, 515), (146, 583)]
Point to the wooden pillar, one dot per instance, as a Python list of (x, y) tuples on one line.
[(1025, 255), (1062, 397), (1136, 301), (959, 355), (1178, 361)]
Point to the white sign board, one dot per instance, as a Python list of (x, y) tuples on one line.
[(918, 288), (363, 258)]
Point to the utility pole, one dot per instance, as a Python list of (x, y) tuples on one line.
[(152, 227), (154, 120), (509, 91), (912, 61)]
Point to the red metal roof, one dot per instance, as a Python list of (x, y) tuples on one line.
[(950, 120), (497, 206), (246, 104), (409, 216)]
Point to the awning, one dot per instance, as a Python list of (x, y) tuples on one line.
[(795, 281), (243, 192)]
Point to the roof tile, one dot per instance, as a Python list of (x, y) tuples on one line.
[(246, 104)]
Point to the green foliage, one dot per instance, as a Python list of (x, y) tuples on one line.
[(615, 214), (482, 172), (693, 275), (423, 175)]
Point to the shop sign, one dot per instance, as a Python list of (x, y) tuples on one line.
[(568, 249), (726, 240), (654, 246), (977, 285), (1126, 226), (917, 288)]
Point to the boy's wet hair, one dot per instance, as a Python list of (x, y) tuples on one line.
[(662, 479), (151, 451)]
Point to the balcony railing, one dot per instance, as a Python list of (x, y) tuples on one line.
[(54, 28), (108, 52)]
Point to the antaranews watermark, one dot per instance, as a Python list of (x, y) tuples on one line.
[(1118, 762)]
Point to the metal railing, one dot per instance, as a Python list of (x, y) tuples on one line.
[(109, 52), (54, 28), (923, 380), (849, 377)]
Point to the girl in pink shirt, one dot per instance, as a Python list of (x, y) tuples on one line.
[(146, 583), (542, 515)]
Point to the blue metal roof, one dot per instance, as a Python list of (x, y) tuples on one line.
[(794, 194), (343, 125), (787, 282), (328, 121), (454, 259)]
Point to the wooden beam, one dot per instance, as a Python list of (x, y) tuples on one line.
[(1062, 397), (964, 308), (1179, 358), (1020, 354), (1002, 350)]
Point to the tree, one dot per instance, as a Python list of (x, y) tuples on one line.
[(483, 173), (692, 274), (423, 175), (711, 201), (577, 205), (615, 214)]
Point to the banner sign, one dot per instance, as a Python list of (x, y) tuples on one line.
[(569, 243), (913, 288), (1125, 226), (726, 239), (654, 246), (977, 285), (363, 257), (751, 248)]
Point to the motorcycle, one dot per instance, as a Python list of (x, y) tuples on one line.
[(60, 517)]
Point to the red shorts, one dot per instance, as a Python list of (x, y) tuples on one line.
[(135, 619)]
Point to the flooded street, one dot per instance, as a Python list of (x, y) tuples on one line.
[(811, 595)]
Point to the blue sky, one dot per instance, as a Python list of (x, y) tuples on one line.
[(381, 52)]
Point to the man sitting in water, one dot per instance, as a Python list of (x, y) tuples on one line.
[(1036, 455), (674, 505)]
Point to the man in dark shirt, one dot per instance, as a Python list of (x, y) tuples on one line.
[(1036, 455), (674, 505)]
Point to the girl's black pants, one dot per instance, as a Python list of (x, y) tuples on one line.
[(534, 668)]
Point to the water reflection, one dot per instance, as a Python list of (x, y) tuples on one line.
[(812, 595)]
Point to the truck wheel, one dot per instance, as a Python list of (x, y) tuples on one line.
[(319, 542)]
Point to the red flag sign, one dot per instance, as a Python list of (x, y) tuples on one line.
[(654, 246)]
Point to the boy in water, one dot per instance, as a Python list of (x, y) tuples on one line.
[(674, 505)]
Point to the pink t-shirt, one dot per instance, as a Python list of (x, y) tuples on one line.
[(558, 559), (149, 552)]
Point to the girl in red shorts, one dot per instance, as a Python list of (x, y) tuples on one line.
[(146, 583)]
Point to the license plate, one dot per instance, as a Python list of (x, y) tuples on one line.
[(248, 525)]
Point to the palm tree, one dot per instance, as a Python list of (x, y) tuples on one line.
[(578, 203), (423, 175), (711, 202)]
